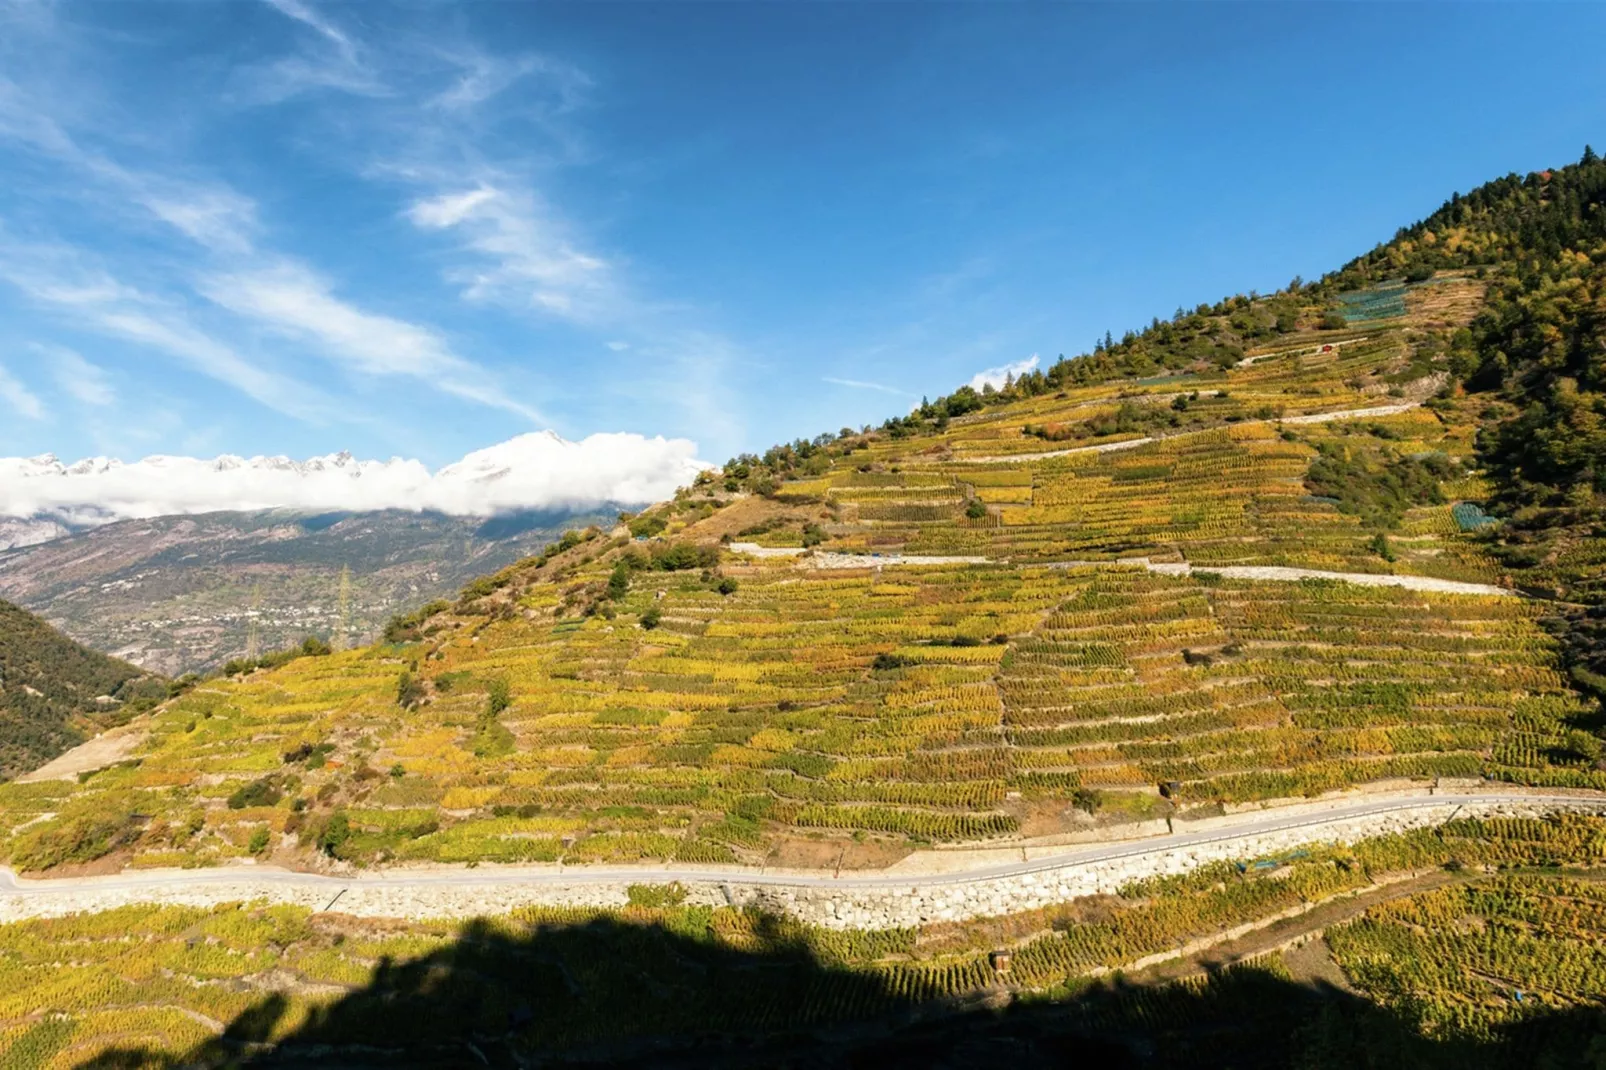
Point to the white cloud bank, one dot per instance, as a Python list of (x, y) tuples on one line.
[(535, 471), (994, 377)]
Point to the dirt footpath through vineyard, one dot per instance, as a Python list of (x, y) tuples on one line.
[(1299, 936), (1372, 411)]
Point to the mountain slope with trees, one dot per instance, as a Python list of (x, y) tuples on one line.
[(1524, 343), (54, 693), (1273, 547), (934, 630)]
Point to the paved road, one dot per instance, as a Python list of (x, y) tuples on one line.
[(1255, 823)]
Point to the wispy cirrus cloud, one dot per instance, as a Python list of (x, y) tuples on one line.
[(460, 140), (210, 214), (468, 136), (331, 59), (861, 384), (289, 298), (82, 380), (61, 278), (518, 253), (236, 274), (482, 76), (22, 401)]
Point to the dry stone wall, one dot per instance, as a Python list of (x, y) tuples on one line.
[(849, 903)]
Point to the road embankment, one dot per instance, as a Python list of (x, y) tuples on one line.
[(852, 901)]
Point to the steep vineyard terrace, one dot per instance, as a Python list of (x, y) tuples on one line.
[(940, 638)]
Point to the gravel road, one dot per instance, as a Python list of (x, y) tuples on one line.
[(18, 895)]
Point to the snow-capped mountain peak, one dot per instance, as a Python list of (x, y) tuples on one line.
[(538, 470)]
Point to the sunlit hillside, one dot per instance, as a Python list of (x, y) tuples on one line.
[(1019, 620), (1348, 534)]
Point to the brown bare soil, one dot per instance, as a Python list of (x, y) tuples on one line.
[(832, 854), (108, 748), (105, 866), (1447, 303), (1311, 963)]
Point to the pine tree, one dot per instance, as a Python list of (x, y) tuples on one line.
[(1589, 156)]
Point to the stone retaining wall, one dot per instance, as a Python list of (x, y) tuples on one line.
[(837, 907)]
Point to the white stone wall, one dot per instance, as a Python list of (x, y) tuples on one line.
[(832, 904)]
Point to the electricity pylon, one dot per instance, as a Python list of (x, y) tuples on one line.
[(253, 637), (342, 637)]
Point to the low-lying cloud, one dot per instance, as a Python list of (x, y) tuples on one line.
[(997, 377), (534, 471)]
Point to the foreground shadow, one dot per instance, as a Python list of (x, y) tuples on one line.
[(617, 992)]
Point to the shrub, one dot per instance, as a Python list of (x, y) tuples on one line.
[(309, 753), (682, 556), (259, 841), (1377, 486), (619, 580), (408, 627), (655, 895), (334, 834), (651, 618), (498, 697), (409, 691), (1087, 800), (645, 527), (491, 739), (976, 509), (313, 647), (263, 792), (64, 840), (727, 585)]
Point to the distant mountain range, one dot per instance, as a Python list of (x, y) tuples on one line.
[(540, 470), (176, 594), (181, 563), (30, 531)]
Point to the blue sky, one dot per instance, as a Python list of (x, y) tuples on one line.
[(296, 227)]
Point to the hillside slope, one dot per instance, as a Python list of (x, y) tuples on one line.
[(54, 692), (1010, 613)]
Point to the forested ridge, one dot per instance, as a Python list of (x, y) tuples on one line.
[(49, 686), (1537, 351)]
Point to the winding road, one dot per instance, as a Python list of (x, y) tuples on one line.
[(252, 881)]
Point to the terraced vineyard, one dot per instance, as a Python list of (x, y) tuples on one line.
[(172, 985), (764, 677), (1344, 534), (1471, 960)]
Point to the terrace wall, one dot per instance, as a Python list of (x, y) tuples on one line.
[(842, 906)]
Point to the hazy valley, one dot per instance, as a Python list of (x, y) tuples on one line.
[(186, 594)]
